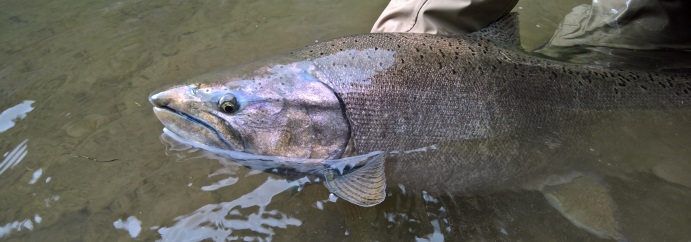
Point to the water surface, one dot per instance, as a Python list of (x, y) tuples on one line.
[(83, 157)]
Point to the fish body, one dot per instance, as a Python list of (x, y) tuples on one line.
[(451, 113)]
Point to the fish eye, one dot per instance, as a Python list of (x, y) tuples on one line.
[(228, 104)]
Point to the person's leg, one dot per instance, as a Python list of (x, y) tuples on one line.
[(630, 24), (441, 16)]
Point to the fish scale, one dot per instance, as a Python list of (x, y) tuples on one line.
[(429, 96)]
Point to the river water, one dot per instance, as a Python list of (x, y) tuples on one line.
[(84, 159)]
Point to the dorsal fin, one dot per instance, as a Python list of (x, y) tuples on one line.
[(364, 186), (504, 31)]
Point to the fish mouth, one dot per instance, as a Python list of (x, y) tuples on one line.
[(185, 116), (159, 110)]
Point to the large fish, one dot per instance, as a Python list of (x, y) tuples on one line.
[(448, 114)]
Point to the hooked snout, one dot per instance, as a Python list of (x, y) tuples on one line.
[(162, 98)]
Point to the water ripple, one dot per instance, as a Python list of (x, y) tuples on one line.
[(19, 226), (11, 115), (13, 157), (218, 221)]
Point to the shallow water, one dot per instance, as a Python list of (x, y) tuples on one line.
[(83, 157)]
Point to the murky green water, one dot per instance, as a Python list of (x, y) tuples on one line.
[(83, 158)]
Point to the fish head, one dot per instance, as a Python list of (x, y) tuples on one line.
[(278, 110)]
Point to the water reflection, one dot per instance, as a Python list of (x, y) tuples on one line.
[(248, 212), (17, 226), (34, 177), (13, 114), (132, 225), (12, 158), (8, 119), (223, 221)]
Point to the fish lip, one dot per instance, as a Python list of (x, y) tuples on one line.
[(195, 120)]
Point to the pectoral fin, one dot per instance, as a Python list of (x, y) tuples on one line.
[(364, 186), (586, 202)]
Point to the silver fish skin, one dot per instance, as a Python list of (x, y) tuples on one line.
[(456, 114)]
